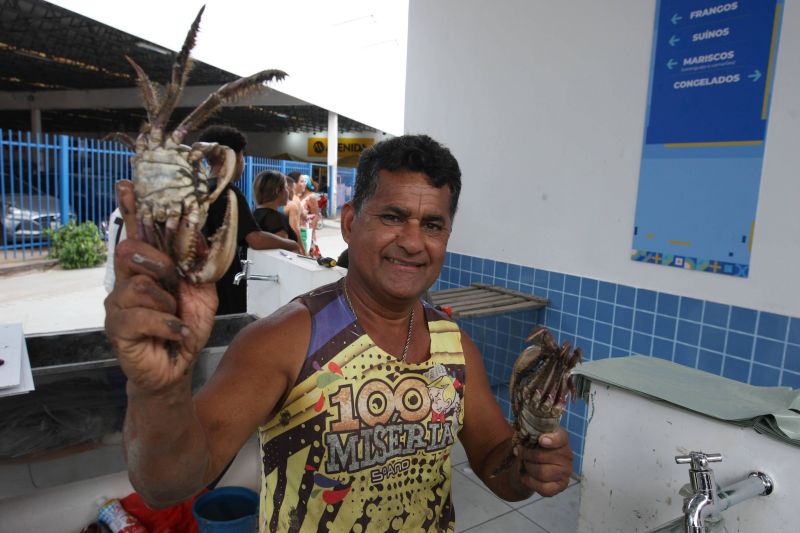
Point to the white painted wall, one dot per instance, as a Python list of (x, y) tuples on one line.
[(543, 104)]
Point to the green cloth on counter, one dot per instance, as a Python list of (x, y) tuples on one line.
[(770, 410)]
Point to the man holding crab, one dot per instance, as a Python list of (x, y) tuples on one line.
[(337, 383)]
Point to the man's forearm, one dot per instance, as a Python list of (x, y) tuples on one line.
[(165, 445), (261, 240), (507, 484)]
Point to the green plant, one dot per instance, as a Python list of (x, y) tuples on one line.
[(77, 245)]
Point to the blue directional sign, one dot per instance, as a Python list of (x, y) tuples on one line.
[(711, 78), (710, 71)]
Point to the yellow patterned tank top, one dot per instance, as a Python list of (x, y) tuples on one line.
[(362, 443)]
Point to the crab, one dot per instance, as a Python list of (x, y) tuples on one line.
[(539, 390), (171, 179)]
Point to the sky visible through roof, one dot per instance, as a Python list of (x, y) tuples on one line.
[(348, 56)]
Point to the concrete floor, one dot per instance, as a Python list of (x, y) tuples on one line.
[(479, 510)]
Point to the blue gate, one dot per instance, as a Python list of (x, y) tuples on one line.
[(47, 180)]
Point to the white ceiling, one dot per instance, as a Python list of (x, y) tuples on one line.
[(348, 56)]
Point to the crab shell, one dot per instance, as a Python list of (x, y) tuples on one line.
[(172, 201)]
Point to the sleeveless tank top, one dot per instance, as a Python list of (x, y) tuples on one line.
[(362, 442)]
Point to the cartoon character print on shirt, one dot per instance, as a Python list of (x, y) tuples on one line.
[(444, 395)]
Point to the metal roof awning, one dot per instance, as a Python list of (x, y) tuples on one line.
[(479, 300)]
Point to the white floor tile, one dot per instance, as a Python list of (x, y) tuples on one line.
[(466, 470), (522, 503), (474, 504), (535, 497), (508, 523), (458, 455), (558, 514)]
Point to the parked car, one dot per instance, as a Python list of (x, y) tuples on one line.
[(26, 210), (25, 217)]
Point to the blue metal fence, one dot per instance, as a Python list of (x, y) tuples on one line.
[(47, 180)]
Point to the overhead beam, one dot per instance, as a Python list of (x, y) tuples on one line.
[(130, 98)]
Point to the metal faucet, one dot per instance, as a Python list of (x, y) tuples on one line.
[(707, 501), (246, 275)]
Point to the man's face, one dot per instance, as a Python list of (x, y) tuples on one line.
[(397, 243)]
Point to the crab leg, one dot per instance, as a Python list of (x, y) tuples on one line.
[(149, 93), (180, 73), (221, 157), (121, 138), (223, 246), (228, 92)]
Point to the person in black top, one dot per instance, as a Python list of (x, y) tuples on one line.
[(271, 191), (233, 298)]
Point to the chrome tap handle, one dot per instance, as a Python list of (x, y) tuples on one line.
[(237, 279), (698, 460)]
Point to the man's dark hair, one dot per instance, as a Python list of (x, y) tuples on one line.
[(224, 135), (295, 175), (417, 153)]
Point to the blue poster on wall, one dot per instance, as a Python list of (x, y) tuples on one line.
[(710, 82)]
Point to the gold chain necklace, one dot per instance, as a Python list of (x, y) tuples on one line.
[(410, 321)]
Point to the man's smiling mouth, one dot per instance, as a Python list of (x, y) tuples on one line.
[(400, 262)]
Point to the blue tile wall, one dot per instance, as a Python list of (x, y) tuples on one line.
[(613, 320)]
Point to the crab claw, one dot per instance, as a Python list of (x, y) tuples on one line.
[(223, 247)]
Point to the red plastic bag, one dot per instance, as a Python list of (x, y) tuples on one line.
[(175, 519)]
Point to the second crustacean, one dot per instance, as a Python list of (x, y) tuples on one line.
[(540, 385)]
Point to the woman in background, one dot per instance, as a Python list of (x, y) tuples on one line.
[(293, 209), (310, 216), (271, 190)]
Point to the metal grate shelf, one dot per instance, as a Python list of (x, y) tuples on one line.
[(480, 300)]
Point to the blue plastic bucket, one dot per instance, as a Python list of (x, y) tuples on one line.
[(227, 510)]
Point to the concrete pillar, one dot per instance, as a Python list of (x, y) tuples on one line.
[(333, 161), (36, 121)]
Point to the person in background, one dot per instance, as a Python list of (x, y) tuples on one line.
[(271, 192), (340, 383), (293, 210), (310, 213), (233, 298), (308, 200)]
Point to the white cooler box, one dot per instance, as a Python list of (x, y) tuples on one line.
[(275, 277)]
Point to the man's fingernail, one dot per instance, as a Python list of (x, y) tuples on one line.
[(139, 259), (515, 451), (176, 326), (185, 331), (546, 441)]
